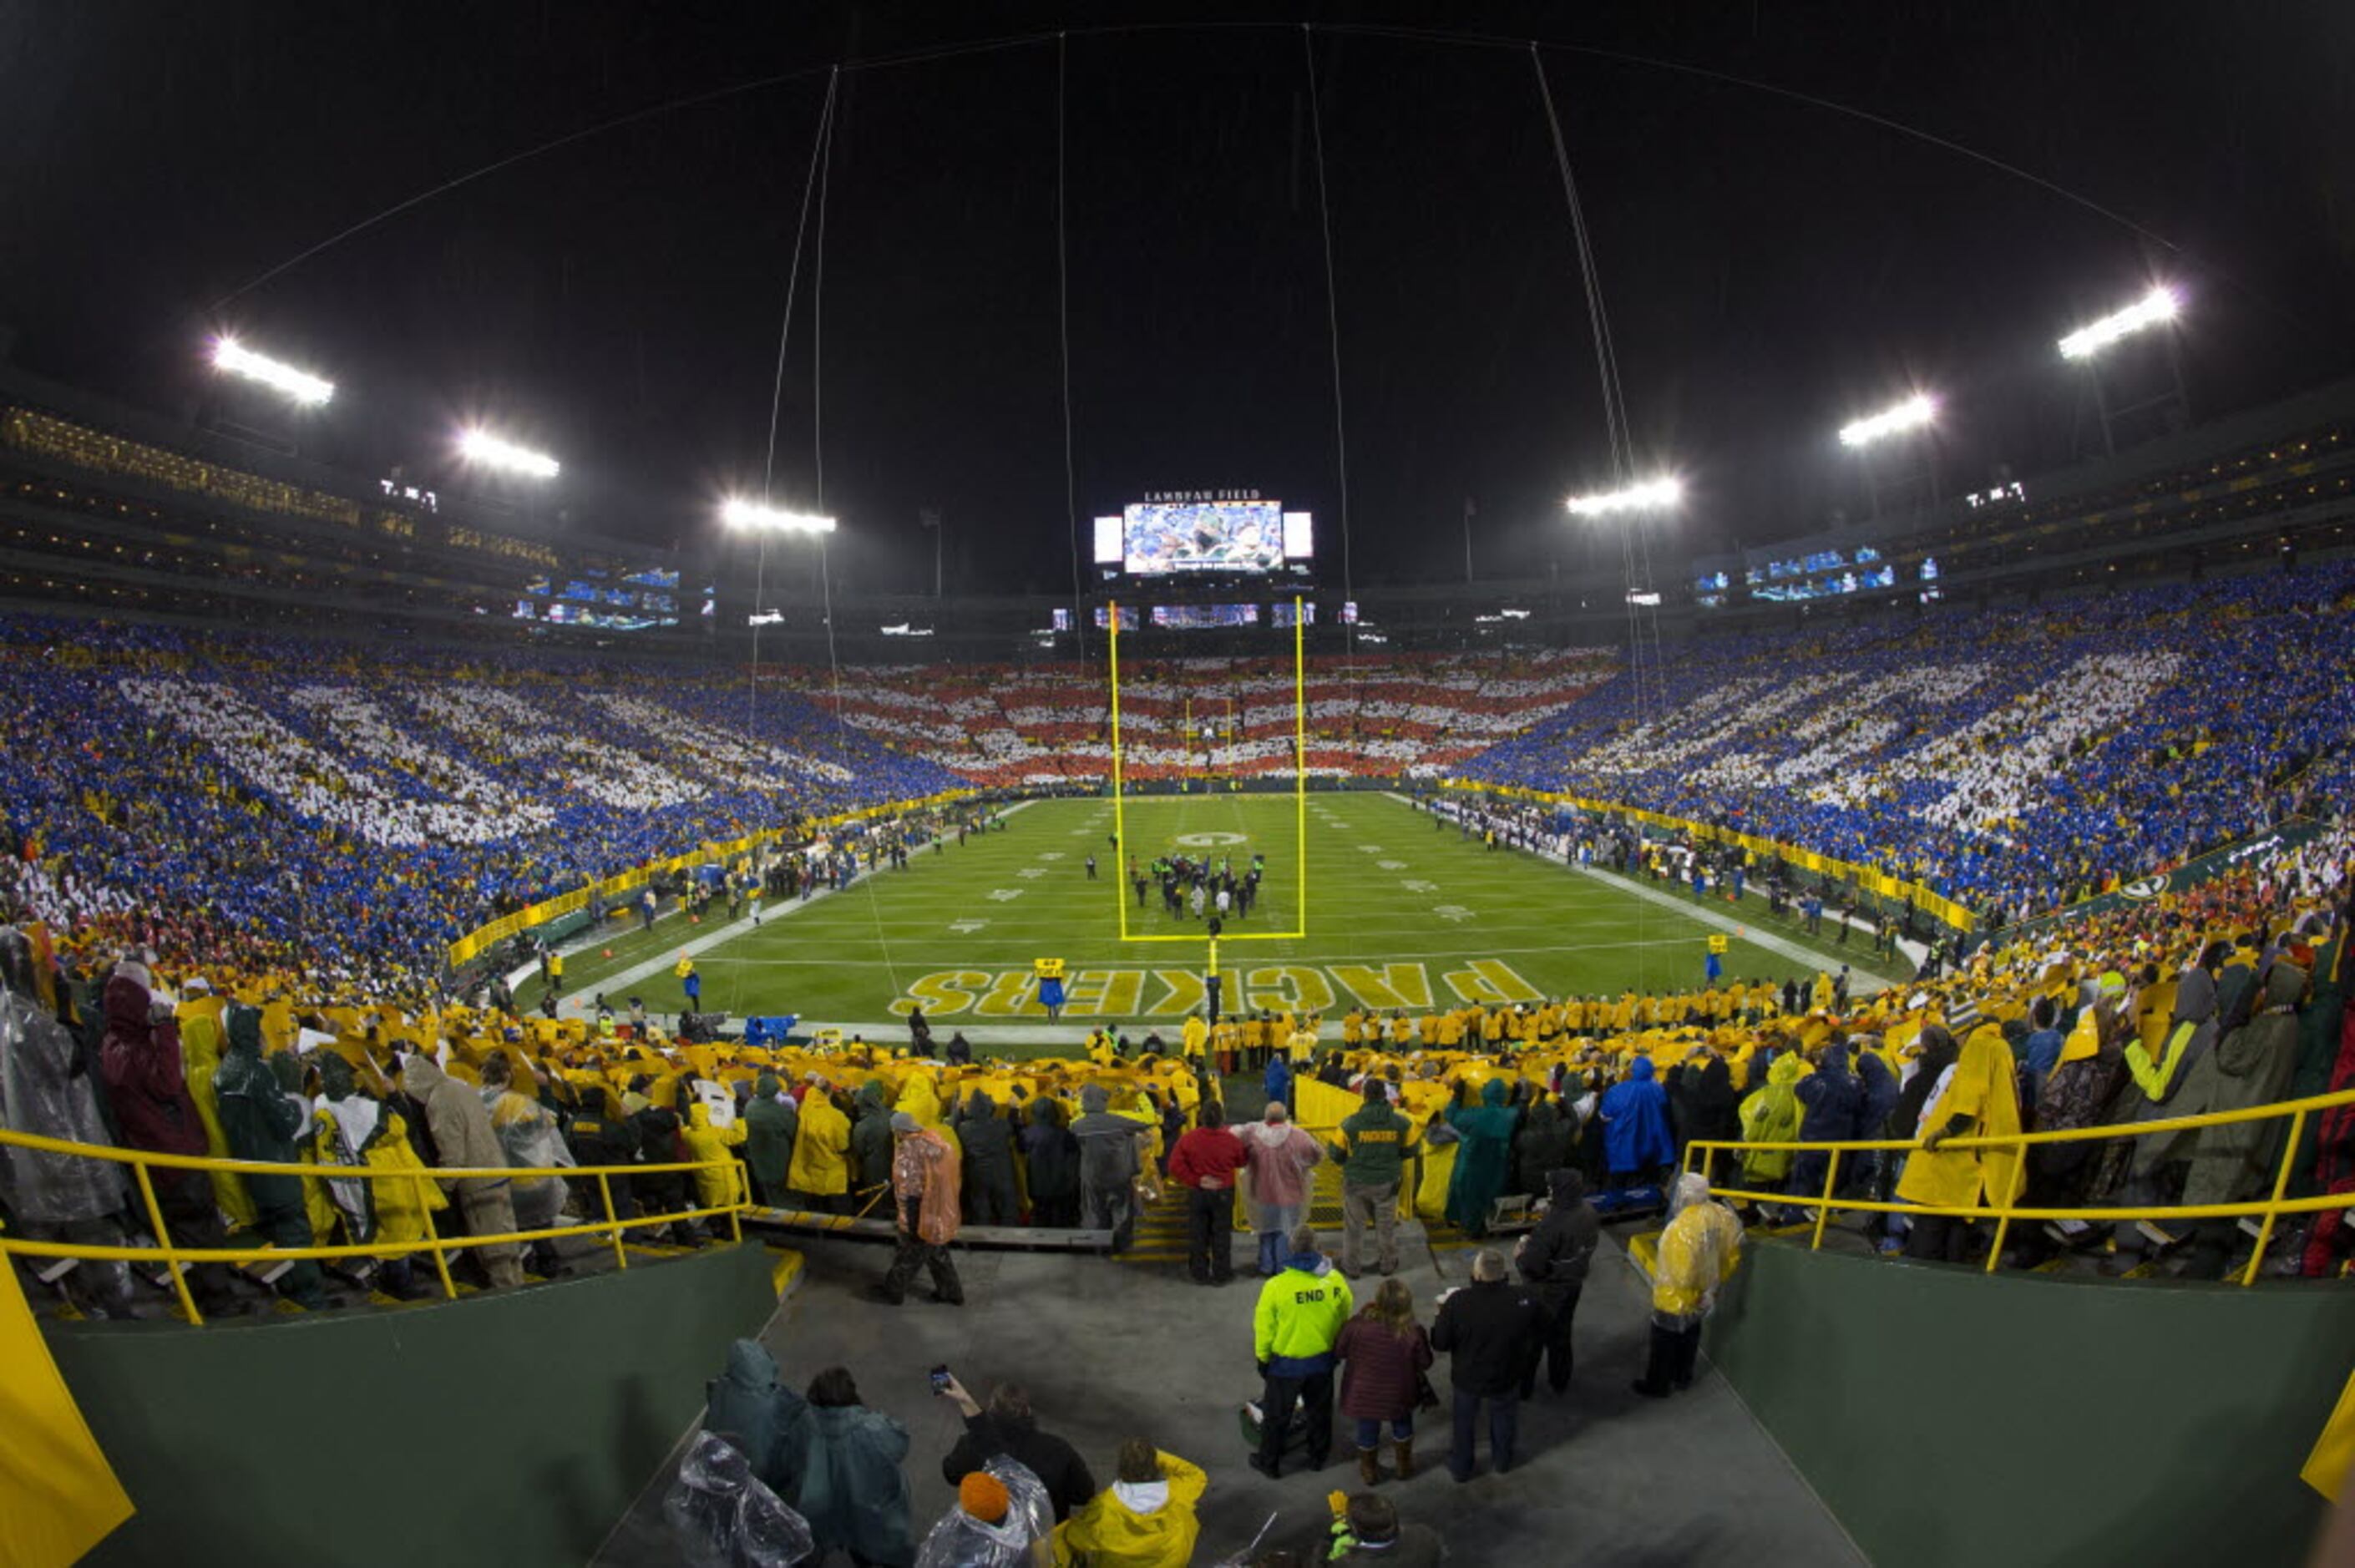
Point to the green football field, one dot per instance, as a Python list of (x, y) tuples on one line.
[(1400, 914)]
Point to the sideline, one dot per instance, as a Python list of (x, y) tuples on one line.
[(621, 981), (1867, 983)]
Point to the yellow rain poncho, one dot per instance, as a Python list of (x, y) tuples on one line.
[(1978, 1091), (1771, 1115), (818, 1167), (1698, 1252), (718, 1186)]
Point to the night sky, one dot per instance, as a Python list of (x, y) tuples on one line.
[(1770, 267)]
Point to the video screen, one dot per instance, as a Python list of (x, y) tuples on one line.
[(1203, 536), (1193, 617), (1108, 541)]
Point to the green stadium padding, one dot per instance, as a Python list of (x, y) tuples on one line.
[(1950, 1418), (563, 928), (509, 1427)]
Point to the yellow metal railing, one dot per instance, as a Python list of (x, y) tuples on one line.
[(1702, 1151), (172, 1255)]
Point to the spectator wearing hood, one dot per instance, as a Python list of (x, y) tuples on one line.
[(1636, 1142), (925, 1182), (1880, 1086), (1974, 1097), (534, 1141), (870, 1144), (2251, 1065), (853, 1491), (1554, 1260), (1000, 1520), (2155, 1077), (1008, 1425), (264, 1117), (147, 1081), (1699, 1250), (991, 1197), (1712, 1106), (1545, 1146), (350, 1128), (1483, 1156), (819, 1169), (46, 1089), (1280, 1156), (1146, 1519), (1829, 1100), (465, 1140), (1050, 1165), (772, 1121), (765, 1420), (722, 1516), (1110, 1161)]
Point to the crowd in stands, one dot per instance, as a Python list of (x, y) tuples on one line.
[(316, 810), (2013, 759), (1406, 716)]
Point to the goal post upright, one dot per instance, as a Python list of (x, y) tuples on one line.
[(1119, 794), (1299, 800)]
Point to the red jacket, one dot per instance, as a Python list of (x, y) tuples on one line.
[(1378, 1367), (1208, 1156)]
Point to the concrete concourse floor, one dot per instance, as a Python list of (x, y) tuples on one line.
[(1112, 1350)]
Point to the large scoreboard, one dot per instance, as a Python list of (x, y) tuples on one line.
[(1205, 533)]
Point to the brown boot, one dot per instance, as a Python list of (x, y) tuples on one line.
[(1369, 1469), (1402, 1450)]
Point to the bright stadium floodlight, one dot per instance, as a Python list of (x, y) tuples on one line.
[(482, 447), (1653, 495), (752, 515), (1912, 414), (234, 358), (2154, 309)]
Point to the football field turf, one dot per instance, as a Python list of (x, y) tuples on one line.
[(1400, 914)]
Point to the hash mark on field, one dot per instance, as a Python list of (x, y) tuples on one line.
[(1030, 872), (967, 927), (1369, 848), (1391, 865), (1005, 894), (1416, 885), (1452, 912), (1052, 855)]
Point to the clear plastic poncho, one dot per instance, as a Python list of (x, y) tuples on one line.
[(722, 1517), (45, 1090), (961, 1540)]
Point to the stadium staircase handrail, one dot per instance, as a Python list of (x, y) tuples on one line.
[(1701, 1151), (172, 1255)]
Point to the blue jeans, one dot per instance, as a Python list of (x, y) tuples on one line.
[(1370, 1433), (1504, 1427)]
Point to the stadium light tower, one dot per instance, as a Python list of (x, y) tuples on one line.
[(233, 358), (2155, 309), (1911, 415), (754, 517), (480, 446), (2085, 346), (1660, 494)]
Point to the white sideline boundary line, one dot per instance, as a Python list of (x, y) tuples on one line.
[(580, 1000)]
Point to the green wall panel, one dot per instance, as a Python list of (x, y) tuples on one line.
[(1951, 1419), (511, 1427)]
